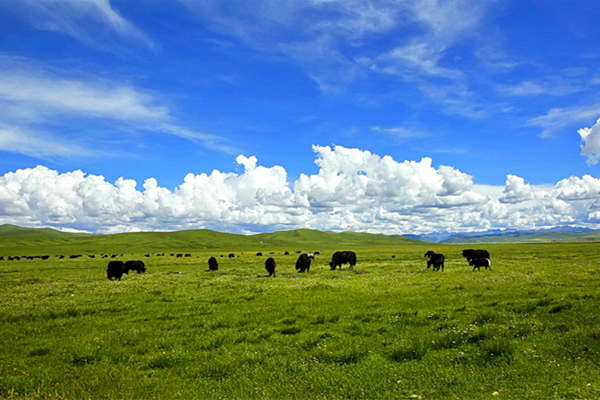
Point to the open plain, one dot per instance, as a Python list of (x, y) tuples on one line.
[(390, 328)]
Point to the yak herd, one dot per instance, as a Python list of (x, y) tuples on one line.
[(475, 258), (435, 261)]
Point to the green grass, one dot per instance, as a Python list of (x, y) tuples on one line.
[(529, 328)]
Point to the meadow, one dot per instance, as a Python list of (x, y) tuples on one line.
[(390, 328)]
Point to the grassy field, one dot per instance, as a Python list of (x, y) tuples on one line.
[(529, 328)]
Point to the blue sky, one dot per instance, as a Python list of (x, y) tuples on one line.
[(490, 89)]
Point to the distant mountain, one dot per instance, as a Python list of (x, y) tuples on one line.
[(558, 234), (14, 239), (18, 231)]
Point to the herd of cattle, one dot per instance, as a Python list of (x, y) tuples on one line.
[(475, 258), (435, 261)]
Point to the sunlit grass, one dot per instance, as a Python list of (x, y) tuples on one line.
[(530, 328)]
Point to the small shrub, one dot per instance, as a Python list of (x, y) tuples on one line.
[(290, 330), (344, 358), (497, 350), (413, 350), (161, 362), (559, 308), (83, 360), (41, 351), (485, 318)]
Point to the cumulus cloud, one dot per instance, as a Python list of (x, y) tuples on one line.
[(353, 189), (516, 190), (590, 142)]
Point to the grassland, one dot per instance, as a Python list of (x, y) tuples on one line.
[(530, 328)]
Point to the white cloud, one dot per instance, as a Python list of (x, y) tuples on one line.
[(92, 22), (516, 190), (352, 190), (329, 39), (37, 144), (400, 132), (590, 142), (575, 188), (554, 87), (31, 97), (558, 118), (50, 95)]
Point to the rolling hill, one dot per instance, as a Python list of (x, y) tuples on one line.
[(17, 240)]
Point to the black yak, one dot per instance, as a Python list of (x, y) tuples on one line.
[(231, 255), (259, 254), (115, 270), (342, 257), (470, 254), (435, 259), (303, 262), (480, 262), (213, 265), (135, 265), (270, 266)]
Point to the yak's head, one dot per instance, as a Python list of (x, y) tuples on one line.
[(429, 254)]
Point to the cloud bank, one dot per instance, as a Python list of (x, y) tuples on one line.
[(353, 189)]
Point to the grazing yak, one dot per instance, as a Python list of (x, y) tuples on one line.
[(1, 258), (75, 256), (115, 270), (259, 254), (340, 258), (270, 266), (303, 262), (471, 254), (435, 259), (135, 265), (231, 255), (213, 265), (480, 262), (287, 253)]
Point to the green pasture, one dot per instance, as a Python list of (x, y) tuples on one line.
[(389, 329)]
